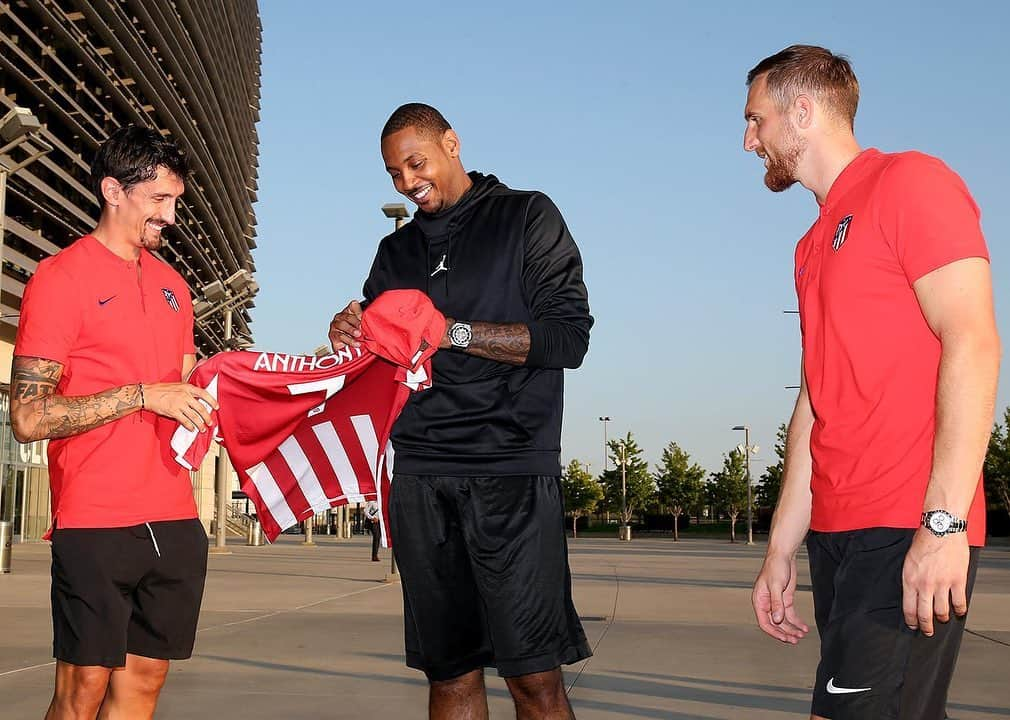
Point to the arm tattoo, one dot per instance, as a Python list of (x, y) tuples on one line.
[(37, 412), (505, 342)]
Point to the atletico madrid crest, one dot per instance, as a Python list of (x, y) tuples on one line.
[(170, 299), (840, 232)]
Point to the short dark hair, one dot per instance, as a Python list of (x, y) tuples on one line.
[(808, 68), (423, 118), (132, 155)]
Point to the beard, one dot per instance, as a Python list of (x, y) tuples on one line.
[(781, 173), (151, 242)]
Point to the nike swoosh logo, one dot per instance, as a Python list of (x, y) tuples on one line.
[(835, 690), (102, 302)]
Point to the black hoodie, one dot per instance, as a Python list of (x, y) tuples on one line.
[(504, 256)]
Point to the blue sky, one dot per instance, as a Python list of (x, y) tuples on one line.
[(629, 115)]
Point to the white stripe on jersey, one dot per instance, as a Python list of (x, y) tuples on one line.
[(271, 495), (365, 429), (305, 476), (335, 453)]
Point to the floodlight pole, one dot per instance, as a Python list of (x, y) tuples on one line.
[(26, 127), (398, 213), (747, 451), (221, 473)]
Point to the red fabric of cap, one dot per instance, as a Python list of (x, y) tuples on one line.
[(403, 327)]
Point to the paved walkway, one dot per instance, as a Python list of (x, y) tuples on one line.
[(312, 632)]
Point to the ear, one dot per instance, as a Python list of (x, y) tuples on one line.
[(111, 191), (450, 143), (803, 111)]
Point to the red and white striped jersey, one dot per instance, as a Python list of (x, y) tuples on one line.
[(310, 433)]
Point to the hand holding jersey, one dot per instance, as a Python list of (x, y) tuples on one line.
[(345, 328), (187, 404)]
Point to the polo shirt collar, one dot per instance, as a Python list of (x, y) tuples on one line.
[(102, 254), (849, 177)]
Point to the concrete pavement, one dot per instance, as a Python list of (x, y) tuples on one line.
[(312, 632)]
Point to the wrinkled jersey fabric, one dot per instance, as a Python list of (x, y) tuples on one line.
[(308, 433)]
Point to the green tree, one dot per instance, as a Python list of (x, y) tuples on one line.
[(641, 489), (997, 465), (728, 488), (681, 484), (767, 493), (581, 491)]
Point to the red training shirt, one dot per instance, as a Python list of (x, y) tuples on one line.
[(87, 309), (870, 360)]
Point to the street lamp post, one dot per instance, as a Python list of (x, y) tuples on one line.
[(237, 289), (606, 466), (747, 449), (605, 419), (221, 472), (397, 212), (625, 532), (17, 126)]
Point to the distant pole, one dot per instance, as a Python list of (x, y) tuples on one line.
[(747, 450), (605, 419), (221, 474), (606, 465), (750, 514), (624, 483)]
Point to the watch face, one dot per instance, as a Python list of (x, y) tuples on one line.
[(939, 522), (460, 335)]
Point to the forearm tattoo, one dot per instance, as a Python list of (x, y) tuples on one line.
[(39, 413), (504, 342)]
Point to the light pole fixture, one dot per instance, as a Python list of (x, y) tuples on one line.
[(17, 127), (605, 419), (237, 289), (624, 533), (397, 212), (747, 449)]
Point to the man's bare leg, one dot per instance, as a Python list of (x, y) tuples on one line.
[(462, 698), (540, 696), (134, 689), (79, 691)]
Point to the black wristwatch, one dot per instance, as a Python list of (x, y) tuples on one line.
[(941, 522), (460, 335)]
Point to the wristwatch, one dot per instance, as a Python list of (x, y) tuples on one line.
[(460, 335), (941, 522)]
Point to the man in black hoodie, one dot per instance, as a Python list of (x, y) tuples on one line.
[(477, 514)]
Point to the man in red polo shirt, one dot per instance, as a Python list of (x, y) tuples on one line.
[(104, 340), (900, 363)]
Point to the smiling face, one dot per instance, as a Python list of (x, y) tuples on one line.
[(771, 135), (140, 213), (147, 208), (425, 168)]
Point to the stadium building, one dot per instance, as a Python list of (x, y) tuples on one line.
[(72, 71)]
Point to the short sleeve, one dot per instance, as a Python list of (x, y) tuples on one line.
[(50, 315), (927, 215)]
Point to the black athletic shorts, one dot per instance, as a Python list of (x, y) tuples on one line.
[(484, 568), (126, 590), (872, 666)]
